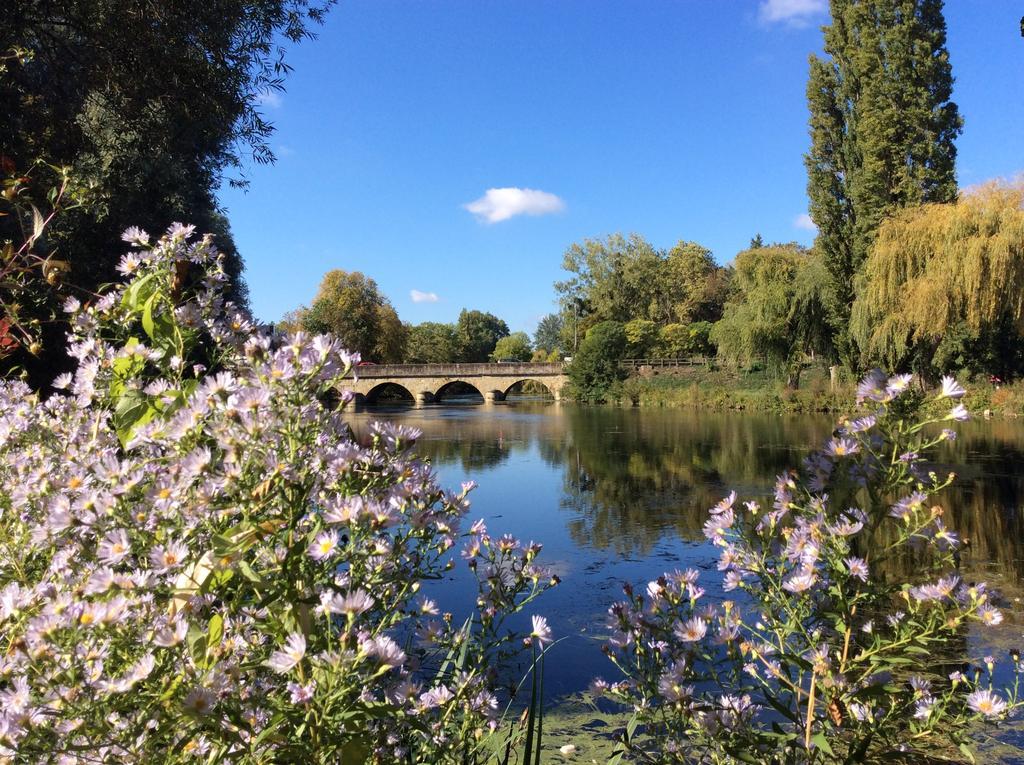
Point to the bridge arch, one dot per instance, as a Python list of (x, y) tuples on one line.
[(400, 390), (458, 388), (548, 391)]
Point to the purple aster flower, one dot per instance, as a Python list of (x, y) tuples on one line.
[(114, 547), (135, 235), (725, 504), (351, 605), (200, 701), (164, 558), (959, 413), (385, 650), (841, 447), (872, 387), (858, 568), (692, 630), (285, 659), (989, 615), (898, 384), (951, 388), (987, 703), (301, 694), (861, 425), (541, 632), (905, 507), (435, 697), (324, 546), (800, 582)]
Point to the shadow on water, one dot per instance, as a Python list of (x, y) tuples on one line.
[(621, 495)]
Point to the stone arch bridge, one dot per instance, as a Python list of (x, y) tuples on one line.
[(427, 382)]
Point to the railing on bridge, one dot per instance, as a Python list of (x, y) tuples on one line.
[(513, 369), (691, 361)]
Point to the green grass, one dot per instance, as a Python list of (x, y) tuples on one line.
[(722, 389)]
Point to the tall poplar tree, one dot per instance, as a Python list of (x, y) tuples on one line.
[(882, 131)]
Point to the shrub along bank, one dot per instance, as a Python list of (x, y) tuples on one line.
[(721, 389)]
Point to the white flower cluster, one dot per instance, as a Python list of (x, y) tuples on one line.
[(199, 563)]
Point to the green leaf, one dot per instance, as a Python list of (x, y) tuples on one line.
[(215, 632), (133, 409), (246, 571), (196, 640), (821, 742), (966, 751), (147, 317), (135, 292), (354, 752)]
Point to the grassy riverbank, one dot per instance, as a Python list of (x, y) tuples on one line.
[(720, 389)]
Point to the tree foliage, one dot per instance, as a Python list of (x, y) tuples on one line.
[(641, 338), (548, 335), (350, 306), (476, 334), (683, 340), (621, 279), (595, 371), (778, 311), (882, 129), (515, 346), (430, 342), (944, 285), (149, 104)]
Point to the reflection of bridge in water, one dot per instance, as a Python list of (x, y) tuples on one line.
[(429, 382)]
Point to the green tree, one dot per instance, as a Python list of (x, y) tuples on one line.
[(515, 346), (641, 337), (595, 371), (778, 311), (431, 343), (548, 335), (350, 306), (693, 285), (612, 279), (150, 104), (882, 131), (392, 335), (683, 340), (621, 279), (476, 334), (756, 242), (943, 286)]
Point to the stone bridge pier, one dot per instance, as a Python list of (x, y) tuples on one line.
[(426, 383)]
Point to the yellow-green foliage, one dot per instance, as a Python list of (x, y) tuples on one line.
[(938, 266), (778, 309)]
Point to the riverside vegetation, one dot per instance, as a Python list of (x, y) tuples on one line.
[(201, 563)]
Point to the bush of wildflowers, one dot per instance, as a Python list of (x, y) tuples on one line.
[(827, 653), (198, 562)]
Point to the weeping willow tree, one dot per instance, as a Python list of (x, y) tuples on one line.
[(778, 312), (943, 286)]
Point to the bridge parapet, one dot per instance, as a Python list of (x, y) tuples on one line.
[(519, 369)]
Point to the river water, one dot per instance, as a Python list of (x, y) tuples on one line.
[(620, 495)]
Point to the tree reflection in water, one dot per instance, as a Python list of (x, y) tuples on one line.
[(633, 476), (622, 494)]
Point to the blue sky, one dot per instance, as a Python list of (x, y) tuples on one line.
[(675, 120)]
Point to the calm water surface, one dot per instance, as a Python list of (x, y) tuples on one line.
[(620, 495)]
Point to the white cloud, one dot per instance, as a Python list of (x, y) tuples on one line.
[(271, 99), (794, 12), (501, 204), (423, 297), (804, 223), (285, 151)]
